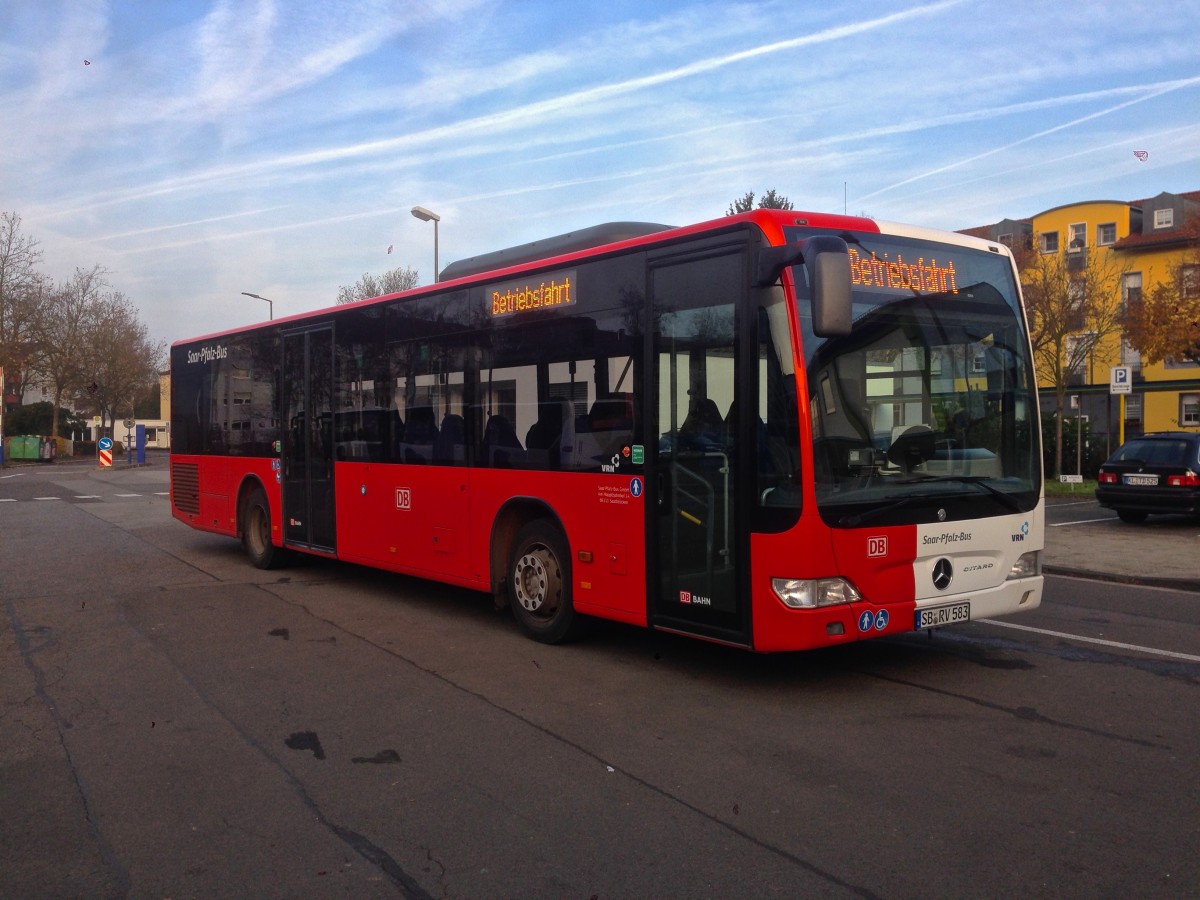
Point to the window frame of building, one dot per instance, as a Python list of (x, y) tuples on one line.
[(1189, 410), (1077, 237), (1106, 234), (1048, 241), (1189, 280), (1130, 282), (1006, 239), (1164, 218)]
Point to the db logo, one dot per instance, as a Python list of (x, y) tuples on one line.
[(685, 596), (403, 498), (877, 546)]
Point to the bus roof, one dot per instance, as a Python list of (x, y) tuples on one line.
[(583, 239), (771, 221)]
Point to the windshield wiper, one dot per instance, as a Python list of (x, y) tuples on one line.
[(981, 480), (868, 514)]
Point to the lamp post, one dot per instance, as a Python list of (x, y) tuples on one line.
[(426, 215), (270, 305)]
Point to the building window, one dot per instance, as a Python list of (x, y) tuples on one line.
[(1189, 410), (1049, 242), (1106, 234), (1189, 281), (1006, 239), (1164, 218), (1076, 237), (1131, 288)]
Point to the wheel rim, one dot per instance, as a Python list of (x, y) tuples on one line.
[(259, 530), (537, 581)]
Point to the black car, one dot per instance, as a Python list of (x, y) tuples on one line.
[(1155, 473)]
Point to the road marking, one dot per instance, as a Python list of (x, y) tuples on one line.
[(162, 493), (87, 496), (47, 498), (13, 475), (127, 495), (1116, 644), (8, 499), (1082, 522)]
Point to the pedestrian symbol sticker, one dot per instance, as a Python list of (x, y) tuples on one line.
[(635, 488), (873, 621)]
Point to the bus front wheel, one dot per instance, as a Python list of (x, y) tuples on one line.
[(256, 533), (539, 584)]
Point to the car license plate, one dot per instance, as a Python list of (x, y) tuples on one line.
[(1141, 479), (936, 616)]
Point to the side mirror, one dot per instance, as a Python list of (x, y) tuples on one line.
[(827, 263)]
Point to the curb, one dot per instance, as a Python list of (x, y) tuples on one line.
[(1173, 584)]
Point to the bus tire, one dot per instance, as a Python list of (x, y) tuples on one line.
[(539, 584), (256, 532)]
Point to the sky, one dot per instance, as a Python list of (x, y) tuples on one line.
[(197, 150)]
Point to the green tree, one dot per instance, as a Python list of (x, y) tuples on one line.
[(770, 200), (393, 281)]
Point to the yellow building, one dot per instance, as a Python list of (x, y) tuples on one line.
[(1143, 242)]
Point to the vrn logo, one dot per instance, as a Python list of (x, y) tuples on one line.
[(1022, 534)]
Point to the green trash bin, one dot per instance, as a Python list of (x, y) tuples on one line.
[(24, 446)]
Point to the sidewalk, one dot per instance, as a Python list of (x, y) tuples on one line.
[(1164, 551)]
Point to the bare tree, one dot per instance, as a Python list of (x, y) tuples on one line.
[(1074, 307), (62, 335), (21, 291), (123, 362), (393, 281)]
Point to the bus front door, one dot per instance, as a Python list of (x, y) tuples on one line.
[(693, 491), (308, 511)]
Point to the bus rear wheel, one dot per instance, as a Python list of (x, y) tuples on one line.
[(539, 584), (256, 533)]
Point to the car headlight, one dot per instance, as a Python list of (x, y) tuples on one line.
[(809, 593), (1027, 566)]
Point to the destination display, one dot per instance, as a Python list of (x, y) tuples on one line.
[(537, 294), (899, 272)]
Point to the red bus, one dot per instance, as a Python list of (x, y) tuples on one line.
[(776, 430)]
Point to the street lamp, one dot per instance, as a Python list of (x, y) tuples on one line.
[(426, 215), (270, 305)]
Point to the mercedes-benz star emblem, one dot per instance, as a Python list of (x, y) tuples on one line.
[(943, 574)]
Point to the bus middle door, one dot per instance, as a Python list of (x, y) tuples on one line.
[(308, 498)]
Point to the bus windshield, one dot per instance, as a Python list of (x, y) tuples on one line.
[(925, 411)]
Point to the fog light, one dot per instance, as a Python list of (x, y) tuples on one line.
[(1027, 566), (809, 593)]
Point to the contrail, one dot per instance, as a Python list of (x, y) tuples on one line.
[(1155, 91)]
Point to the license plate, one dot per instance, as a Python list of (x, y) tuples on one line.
[(937, 616), (1141, 479)]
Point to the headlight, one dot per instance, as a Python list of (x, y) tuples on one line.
[(1027, 566), (809, 593)]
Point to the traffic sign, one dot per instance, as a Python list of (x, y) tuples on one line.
[(104, 448), (1120, 380)]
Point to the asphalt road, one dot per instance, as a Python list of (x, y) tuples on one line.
[(176, 723)]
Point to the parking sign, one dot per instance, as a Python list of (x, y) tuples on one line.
[(1120, 380)]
